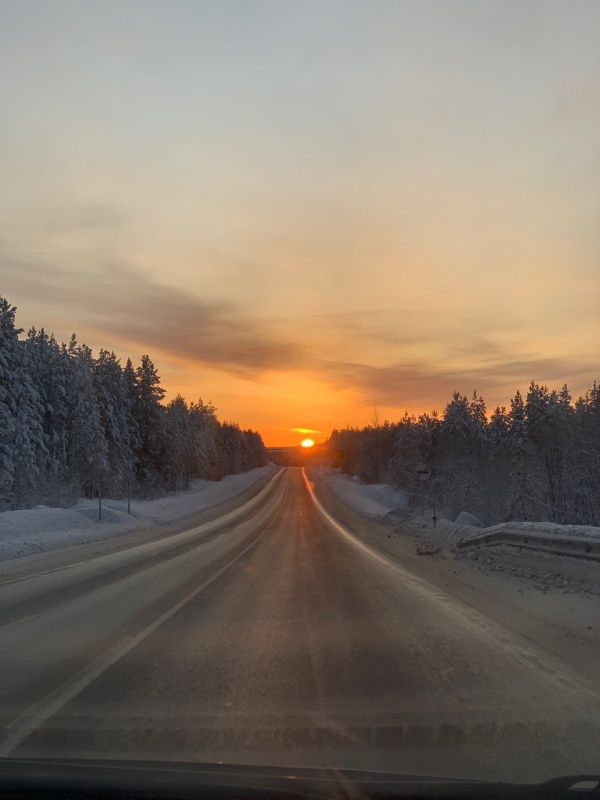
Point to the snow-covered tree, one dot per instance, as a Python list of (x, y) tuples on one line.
[(8, 411), (148, 414), (23, 448), (69, 421), (88, 461), (117, 419), (539, 460), (204, 432)]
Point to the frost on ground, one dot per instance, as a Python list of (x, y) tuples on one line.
[(541, 570), (42, 528)]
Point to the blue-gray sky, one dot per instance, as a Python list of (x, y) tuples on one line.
[(305, 209)]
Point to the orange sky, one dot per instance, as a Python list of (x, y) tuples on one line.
[(303, 211)]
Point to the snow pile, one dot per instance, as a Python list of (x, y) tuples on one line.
[(371, 500), (446, 535), (42, 528), (443, 537), (389, 505), (464, 518), (540, 570), (588, 531)]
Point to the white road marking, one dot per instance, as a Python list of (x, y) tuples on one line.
[(159, 545), (476, 622), (38, 713)]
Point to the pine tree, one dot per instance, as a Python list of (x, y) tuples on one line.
[(69, 420), (8, 409), (30, 445), (148, 414), (459, 451), (520, 496), (117, 420), (23, 447), (586, 462), (51, 371), (88, 460), (548, 417), (204, 432), (178, 463)]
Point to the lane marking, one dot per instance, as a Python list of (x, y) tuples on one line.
[(499, 634), (206, 546), (161, 544), (345, 532), (38, 713)]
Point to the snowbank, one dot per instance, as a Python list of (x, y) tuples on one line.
[(390, 506), (371, 500), (548, 527), (540, 571), (42, 528)]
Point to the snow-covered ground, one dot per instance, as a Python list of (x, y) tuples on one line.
[(377, 500), (372, 500), (590, 531), (388, 505), (42, 528)]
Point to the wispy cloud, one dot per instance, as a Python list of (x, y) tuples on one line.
[(123, 305), (410, 384)]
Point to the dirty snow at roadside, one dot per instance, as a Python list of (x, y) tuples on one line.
[(42, 528)]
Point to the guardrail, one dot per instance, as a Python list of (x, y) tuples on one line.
[(572, 546)]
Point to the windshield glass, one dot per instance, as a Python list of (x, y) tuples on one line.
[(299, 421)]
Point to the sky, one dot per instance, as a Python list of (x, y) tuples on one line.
[(305, 211)]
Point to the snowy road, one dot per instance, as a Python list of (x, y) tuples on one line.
[(273, 635)]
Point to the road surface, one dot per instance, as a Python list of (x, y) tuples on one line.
[(274, 635)]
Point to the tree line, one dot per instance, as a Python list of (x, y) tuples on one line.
[(72, 424), (538, 460)]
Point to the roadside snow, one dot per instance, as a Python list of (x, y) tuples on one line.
[(381, 500), (42, 528), (541, 570), (590, 531), (387, 504), (371, 500)]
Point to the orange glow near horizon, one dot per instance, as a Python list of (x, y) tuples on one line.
[(307, 443), (348, 267)]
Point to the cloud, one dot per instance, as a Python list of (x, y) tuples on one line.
[(122, 303), (119, 303), (408, 384)]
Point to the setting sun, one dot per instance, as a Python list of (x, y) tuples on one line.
[(307, 443)]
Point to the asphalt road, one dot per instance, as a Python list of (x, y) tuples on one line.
[(274, 635)]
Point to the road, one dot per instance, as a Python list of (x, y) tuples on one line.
[(272, 634)]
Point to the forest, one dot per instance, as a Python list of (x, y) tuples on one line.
[(538, 460), (76, 424)]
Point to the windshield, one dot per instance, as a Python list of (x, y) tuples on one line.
[(299, 421)]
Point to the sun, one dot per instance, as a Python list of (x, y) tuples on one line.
[(307, 443)]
